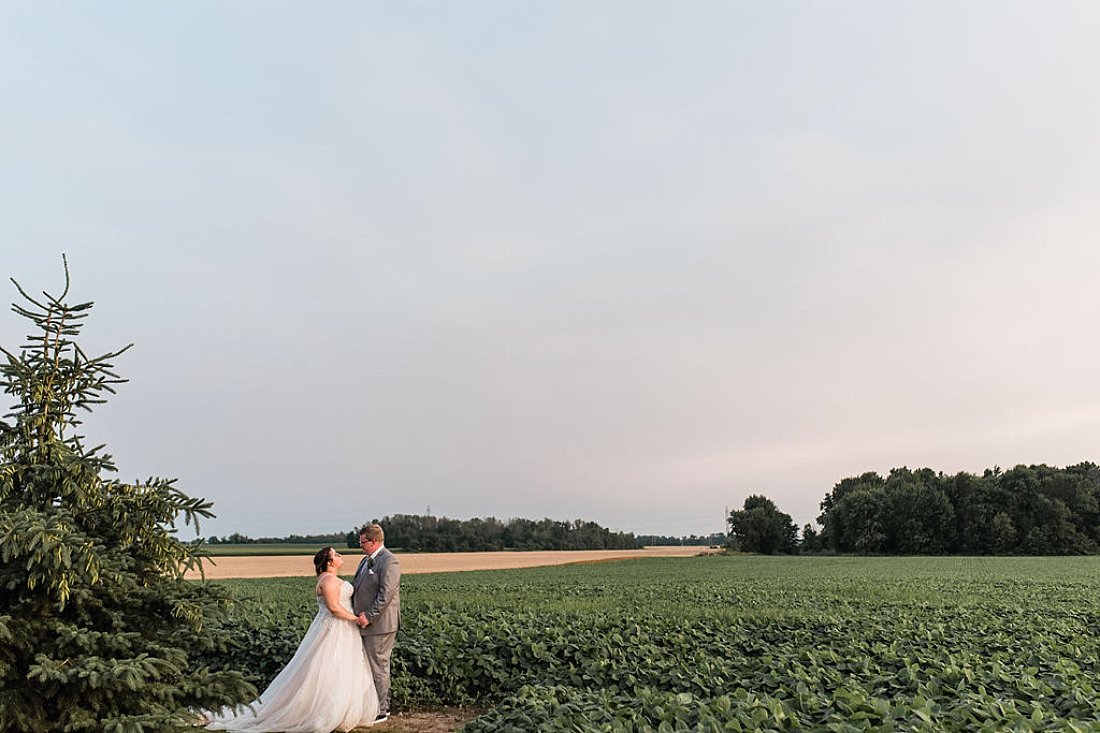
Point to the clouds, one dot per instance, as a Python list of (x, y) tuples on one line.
[(621, 263)]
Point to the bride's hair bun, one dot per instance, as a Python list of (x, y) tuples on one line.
[(322, 559)]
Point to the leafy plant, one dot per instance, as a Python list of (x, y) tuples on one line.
[(739, 643)]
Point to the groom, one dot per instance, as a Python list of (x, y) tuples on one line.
[(376, 601)]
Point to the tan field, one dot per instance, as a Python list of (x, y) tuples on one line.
[(285, 566)]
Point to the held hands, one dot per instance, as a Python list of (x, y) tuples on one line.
[(361, 621)]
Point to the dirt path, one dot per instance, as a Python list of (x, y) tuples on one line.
[(445, 720), (284, 566)]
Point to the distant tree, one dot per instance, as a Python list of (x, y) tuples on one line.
[(1003, 535), (843, 523), (97, 625), (1084, 502), (917, 517), (1041, 496), (975, 501), (861, 517), (811, 540), (760, 527)]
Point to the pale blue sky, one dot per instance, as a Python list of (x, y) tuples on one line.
[(627, 262)]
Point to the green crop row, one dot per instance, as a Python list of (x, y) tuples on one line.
[(716, 644)]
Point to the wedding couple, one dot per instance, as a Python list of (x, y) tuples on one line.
[(339, 678)]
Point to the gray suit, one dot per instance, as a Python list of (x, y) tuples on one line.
[(377, 593)]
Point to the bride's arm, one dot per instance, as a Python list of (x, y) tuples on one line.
[(330, 591)]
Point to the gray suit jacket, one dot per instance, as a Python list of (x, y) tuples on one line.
[(378, 593)]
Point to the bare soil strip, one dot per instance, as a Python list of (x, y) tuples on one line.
[(288, 566), (442, 720)]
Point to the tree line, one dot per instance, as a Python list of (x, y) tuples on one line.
[(336, 538), (592, 536), (654, 540), (1027, 510), (420, 533)]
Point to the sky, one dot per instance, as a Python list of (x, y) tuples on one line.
[(627, 262)]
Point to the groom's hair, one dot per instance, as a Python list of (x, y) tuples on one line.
[(373, 532)]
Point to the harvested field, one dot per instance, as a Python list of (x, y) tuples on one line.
[(283, 566)]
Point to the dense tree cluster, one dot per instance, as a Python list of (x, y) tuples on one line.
[(653, 540), (419, 533), (351, 539), (761, 527), (335, 538), (1028, 510), (98, 629)]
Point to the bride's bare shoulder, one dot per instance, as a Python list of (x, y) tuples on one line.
[(327, 580)]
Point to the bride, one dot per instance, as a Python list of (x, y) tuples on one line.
[(327, 684)]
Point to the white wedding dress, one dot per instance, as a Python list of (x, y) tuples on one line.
[(326, 686)]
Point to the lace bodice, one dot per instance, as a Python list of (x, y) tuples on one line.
[(346, 590)]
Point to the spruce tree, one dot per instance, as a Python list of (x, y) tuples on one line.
[(99, 631)]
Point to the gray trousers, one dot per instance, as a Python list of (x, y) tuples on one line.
[(378, 648)]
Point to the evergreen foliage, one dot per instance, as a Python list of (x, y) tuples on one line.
[(98, 629)]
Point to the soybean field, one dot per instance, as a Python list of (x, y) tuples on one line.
[(732, 643)]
